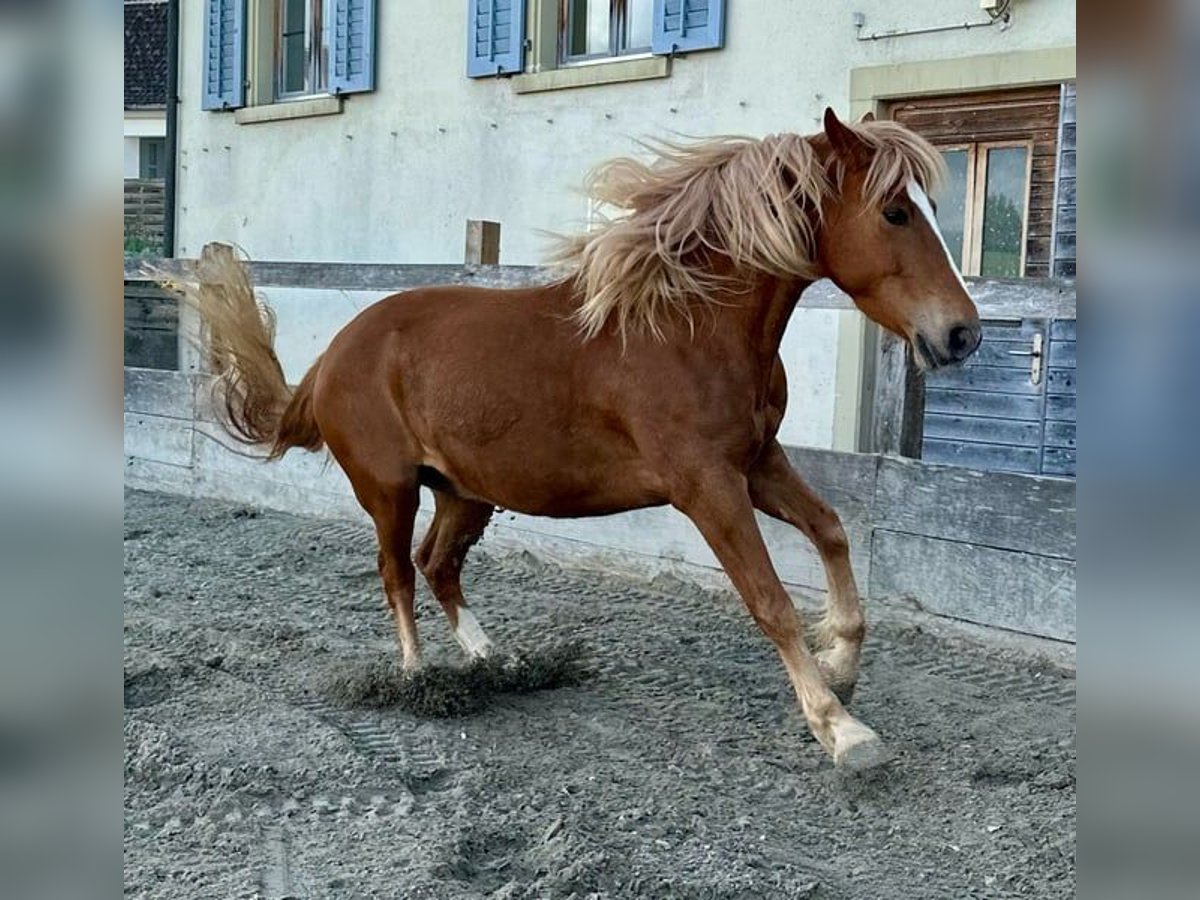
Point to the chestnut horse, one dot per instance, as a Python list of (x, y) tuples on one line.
[(650, 375)]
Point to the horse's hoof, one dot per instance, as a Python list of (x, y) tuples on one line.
[(867, 754)]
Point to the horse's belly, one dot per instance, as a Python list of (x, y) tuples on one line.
[(532, 485)]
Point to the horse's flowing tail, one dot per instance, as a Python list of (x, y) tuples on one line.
[(258, 405)]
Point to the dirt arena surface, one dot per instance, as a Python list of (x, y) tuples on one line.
[(666, 758)]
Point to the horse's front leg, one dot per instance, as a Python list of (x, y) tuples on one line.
[(777, 490), (719, 504)]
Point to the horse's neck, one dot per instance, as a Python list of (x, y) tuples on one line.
[(759, 318)]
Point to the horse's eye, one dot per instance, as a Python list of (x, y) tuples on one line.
[(896, 215)]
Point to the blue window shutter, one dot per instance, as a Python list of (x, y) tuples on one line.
[(683, 25), (350, 37), (495, 37), (224, 54)]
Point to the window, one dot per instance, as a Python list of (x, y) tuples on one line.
[(982, 207), (299, 48), (569, 35), (263, 51), (152, 154), (996, 209), (602, 29)]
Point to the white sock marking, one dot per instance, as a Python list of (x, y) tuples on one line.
[(921, 200), (470, 635)]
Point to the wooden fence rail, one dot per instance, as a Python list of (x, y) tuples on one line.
[(996, 298)]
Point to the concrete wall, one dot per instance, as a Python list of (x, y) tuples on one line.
[(395, 174)]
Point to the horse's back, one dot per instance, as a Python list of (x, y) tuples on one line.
[(434, 320)]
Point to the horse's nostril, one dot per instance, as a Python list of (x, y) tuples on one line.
[(963, 341)]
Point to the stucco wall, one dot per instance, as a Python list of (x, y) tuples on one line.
[(395, 175)]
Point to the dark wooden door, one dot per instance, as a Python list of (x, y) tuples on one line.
[(1011, 408)]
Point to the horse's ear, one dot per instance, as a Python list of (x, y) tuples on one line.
[(844, 141), (868, 116)]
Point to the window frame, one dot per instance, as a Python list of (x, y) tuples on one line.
[(979, 201), (618, 29), (976, 200), (964, 263), (263, 103), (159, 143), (316, 53)]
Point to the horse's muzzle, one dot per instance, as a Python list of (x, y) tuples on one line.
[(958, 344)]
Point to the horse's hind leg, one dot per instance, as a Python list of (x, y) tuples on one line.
[(370, 440), (392, 504), (457, 524), (777, 490), (394, 512)]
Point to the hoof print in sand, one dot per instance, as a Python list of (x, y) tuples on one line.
[(148, 687)]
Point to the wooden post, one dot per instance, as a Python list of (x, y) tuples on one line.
[(483, 243), (899, 407)]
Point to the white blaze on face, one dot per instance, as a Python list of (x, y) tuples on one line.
[(470, 635), (921, 201)]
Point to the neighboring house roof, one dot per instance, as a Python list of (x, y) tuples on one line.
[(145, 54)]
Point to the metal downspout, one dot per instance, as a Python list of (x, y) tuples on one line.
[(172, 152)]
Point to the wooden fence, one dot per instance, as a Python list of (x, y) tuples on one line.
[(145, 208), (151, 327), (992, 548)]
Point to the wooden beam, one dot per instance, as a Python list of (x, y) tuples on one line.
[(898, 411), (383, 277), (483, 243), (1004, 510), (1010, 589)]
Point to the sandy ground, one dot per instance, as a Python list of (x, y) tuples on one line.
[(667, 759)]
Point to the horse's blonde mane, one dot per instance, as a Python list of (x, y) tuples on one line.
[(755, 201), (898, 156)]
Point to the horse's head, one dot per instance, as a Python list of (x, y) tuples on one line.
[(879, 241)]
